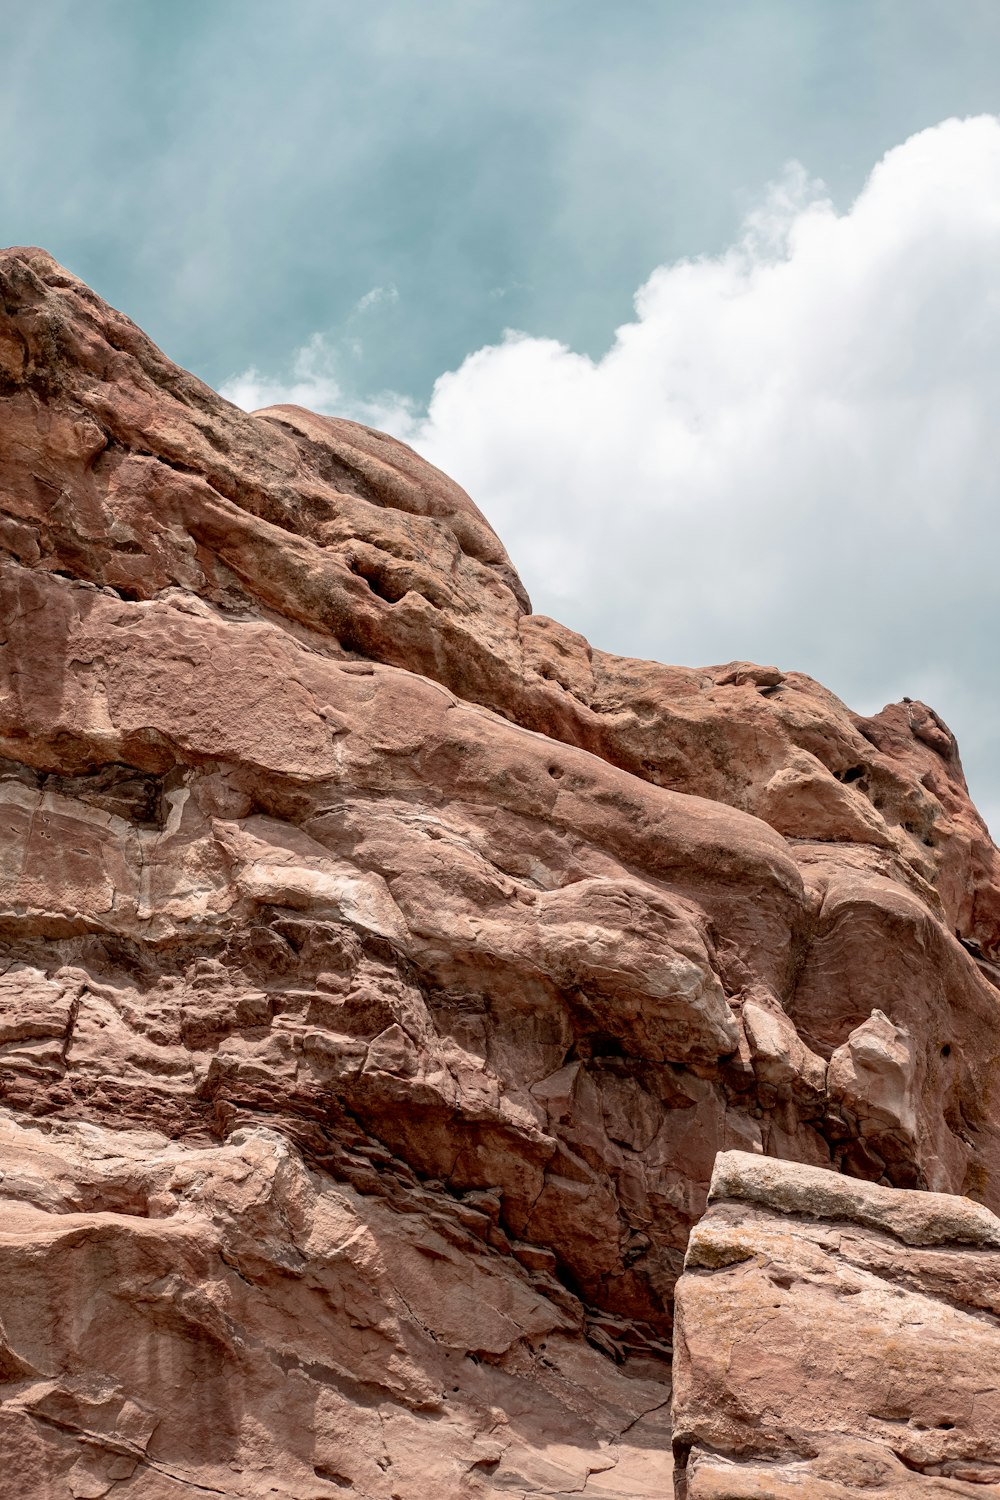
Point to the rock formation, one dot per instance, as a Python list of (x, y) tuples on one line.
[(836, 1339), (384, 967)]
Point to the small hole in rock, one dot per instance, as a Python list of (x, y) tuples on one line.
[(379, 580), (332, 1477), (946, 1050)]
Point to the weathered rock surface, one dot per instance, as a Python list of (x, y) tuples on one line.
[(180, 1320), (383, 967), (836, 1339)]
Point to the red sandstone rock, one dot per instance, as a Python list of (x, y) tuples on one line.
[(836, 1339), (316, 845)]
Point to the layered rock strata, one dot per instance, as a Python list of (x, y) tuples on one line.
[(836, 1339), (366, 937), (179, 1320)]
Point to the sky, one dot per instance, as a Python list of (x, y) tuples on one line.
[(699, 299)]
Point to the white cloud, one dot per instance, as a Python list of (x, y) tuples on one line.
[(792, 453), (309, 382), (378, 294), (312, 381)]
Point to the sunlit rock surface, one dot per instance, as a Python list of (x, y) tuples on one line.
[(836, 1339), (384, 967)]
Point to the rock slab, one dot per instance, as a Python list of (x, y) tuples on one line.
[(836, 1339)]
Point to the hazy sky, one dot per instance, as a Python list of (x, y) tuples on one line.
[(787, 450)]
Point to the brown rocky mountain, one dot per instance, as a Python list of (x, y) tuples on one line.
[(384, 968)]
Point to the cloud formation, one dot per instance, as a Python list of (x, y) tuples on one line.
[(377, 295), (792, 453), (312, 379)]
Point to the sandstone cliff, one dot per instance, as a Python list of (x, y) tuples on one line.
[(384, 967)]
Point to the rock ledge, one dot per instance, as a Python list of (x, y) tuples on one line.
[(836, 1339)]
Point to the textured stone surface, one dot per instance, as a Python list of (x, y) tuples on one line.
[(836, 1339), (179, 1320), (308, 827)]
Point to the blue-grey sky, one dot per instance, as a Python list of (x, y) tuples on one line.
[(787, 451), (238, 174)]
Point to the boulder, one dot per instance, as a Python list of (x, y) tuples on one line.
[(836, 1338)]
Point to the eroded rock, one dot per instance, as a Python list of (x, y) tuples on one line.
[(836, 1338), (316, 845)]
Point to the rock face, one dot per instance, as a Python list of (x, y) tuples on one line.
[(835, 1339), (180, 1320), (384, 967)]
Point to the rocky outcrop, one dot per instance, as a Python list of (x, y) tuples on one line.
[(180, 1320), (836, 1339), (382, 939)]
